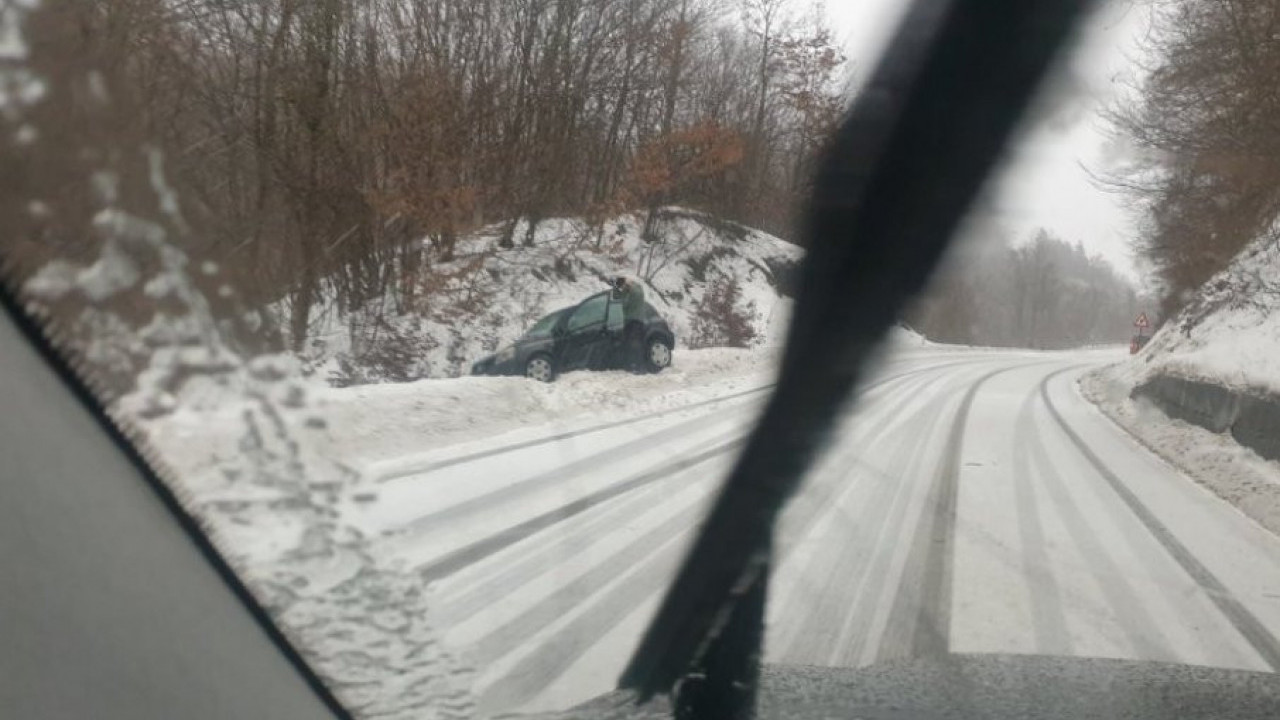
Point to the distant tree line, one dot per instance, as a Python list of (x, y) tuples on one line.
[(1046, 293), (313, 142), (1207, 121)]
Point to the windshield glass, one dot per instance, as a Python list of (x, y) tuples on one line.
[(293, 246)]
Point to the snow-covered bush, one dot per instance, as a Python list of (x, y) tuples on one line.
[(721, 318)]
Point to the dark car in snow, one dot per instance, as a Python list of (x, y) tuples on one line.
[(586, 336)]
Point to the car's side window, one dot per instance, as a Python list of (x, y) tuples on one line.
[(614, 319), (591, 312)]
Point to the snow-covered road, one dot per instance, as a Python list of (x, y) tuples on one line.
[(973, 502)]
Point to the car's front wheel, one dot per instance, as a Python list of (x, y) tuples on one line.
[(658, 355), (539, 368)]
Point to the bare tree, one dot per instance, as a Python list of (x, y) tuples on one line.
[(334, 152), (1208, 118)]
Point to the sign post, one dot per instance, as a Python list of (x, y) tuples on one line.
[(1139, 340)]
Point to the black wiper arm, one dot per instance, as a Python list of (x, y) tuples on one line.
[(894, 186)]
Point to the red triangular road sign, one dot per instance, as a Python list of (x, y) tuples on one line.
[(1142, 321)]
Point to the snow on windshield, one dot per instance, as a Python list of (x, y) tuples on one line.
[(276, 237), (133, 313)]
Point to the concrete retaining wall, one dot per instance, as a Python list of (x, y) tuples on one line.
[(1253, 419)]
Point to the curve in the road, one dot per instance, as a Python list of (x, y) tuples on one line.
[(1244, 621), (481, 549), (558, 437), (865, 538), (626, 584)]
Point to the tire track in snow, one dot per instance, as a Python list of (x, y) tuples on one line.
[(622, 596), (465, 556), (1048, 618), (558, 653), (524, 445), (862, 618), (471, 554), (501, 577), (920, 623), (1245, 622), (480, 504), (520, 570), (543, 666), (1144, 638), (517, 631), (809, 638)]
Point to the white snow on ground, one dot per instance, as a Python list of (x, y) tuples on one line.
[(379, 429), (487, 297), (285, 474), (1229, 333), (551, 619), (375, 428), (1216, 461)]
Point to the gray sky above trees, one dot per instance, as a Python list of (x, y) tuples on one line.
[(1044, 183)]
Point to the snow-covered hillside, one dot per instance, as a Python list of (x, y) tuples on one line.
[(487, 296), (1228, 336), (1229, 333)]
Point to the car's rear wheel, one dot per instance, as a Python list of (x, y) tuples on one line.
[(658, 355), (539, 368)]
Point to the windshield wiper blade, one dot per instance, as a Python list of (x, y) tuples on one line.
[(895, 184)]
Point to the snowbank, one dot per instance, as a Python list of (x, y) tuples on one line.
[(1230, 332), (902, 337), (486, 297), (375, 427), (1214, 460), (1228, 336)]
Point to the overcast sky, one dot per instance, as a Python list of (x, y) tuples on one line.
[(1044, 184)]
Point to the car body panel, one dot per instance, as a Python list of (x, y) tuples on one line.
[(114, 604)]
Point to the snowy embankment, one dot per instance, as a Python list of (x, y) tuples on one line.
[(375, 427), (1228, 337), (1229, 334), (487, 296), (378, 430), (276, 465)]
